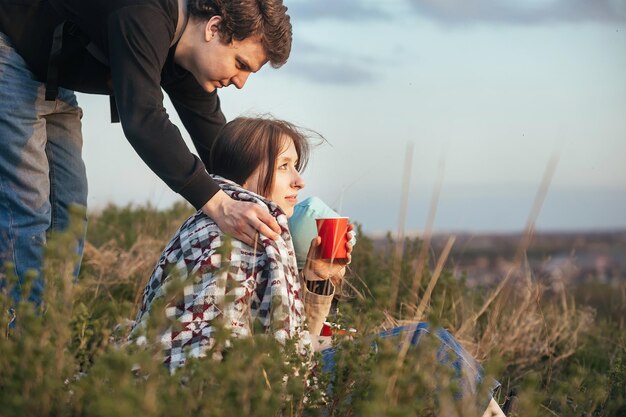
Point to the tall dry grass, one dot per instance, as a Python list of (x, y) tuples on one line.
[(512, 325), (526, 336)]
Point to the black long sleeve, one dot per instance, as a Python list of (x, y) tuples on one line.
[(137, 55), (135, 37)]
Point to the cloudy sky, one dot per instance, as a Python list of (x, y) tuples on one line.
[(485, 91)]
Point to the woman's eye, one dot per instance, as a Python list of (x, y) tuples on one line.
[(283, 166)]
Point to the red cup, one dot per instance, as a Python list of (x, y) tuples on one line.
[(327, 330), (333, 233)]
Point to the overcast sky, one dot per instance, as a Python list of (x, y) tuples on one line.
[(487, 91)]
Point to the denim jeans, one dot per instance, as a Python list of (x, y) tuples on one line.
[(464, 371), (42, 173)]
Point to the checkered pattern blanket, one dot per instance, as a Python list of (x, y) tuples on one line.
[(236, 286)]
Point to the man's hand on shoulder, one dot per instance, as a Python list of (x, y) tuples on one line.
[(240, 219)]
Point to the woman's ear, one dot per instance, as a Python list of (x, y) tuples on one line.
[(252, 182), (211, 28)]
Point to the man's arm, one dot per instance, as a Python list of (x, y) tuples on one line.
[(202, 116), (138, 41), (199, 110), (138, 52)]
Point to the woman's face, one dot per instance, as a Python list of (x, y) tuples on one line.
[(287, 180)]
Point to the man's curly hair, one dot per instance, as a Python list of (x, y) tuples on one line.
[(241, 19)]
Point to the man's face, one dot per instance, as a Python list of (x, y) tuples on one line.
[(216, 65)]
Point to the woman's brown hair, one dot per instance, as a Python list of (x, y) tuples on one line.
[(247, 143)]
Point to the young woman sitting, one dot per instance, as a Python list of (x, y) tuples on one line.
[(226, 281), (255, 160)]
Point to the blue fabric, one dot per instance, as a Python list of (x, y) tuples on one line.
[(467, 373), (303, 227), (41, 170)]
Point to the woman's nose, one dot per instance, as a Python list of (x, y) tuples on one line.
[(298, 181)]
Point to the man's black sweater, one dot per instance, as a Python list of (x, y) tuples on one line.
[(134, 37)]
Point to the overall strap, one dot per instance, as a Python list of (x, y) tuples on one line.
[(181, 23), (183, 18), (56, 53), (66, 40)]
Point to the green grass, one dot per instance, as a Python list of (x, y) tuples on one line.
[(565, 354)]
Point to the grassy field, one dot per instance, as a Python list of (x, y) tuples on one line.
[(562, 355)]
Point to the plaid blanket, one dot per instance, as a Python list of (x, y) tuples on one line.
[(237, 286)]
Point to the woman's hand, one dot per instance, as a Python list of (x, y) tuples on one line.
[(318, 269)]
